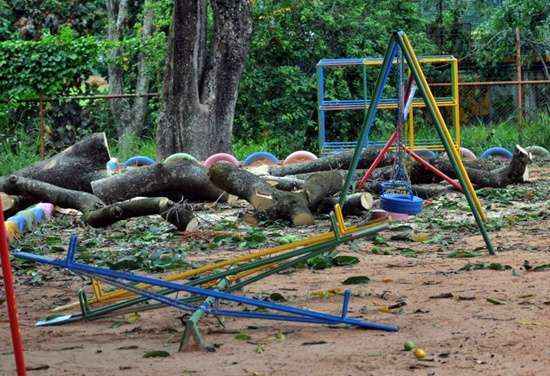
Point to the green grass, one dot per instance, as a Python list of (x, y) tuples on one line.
[(480, 137), (133, 146), (18, 151)]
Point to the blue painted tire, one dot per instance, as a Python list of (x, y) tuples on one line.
[(426, 154), (20, 221), (496, 151), (139, 160), (253, 157), (403, 204)]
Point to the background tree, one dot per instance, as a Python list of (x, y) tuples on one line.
[(204, 64)]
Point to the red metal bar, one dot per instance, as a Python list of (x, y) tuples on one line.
[(378, 159), (10, 297), (433, 169)]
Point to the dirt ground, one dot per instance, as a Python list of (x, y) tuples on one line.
[(492, 322)]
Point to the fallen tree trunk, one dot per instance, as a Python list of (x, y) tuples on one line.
[(480, 172), (276, 204), (184, 178), (515, 172), (74, 168), (95, 212), (340, 161)]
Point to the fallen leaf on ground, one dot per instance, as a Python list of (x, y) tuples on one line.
[(496, 301), (156, 354)]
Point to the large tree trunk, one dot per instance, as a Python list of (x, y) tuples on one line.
[(117, 12), (139, 112), (73, 168), (201, 77)]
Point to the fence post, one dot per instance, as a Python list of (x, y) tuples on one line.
[(519, 87), (42, 128)]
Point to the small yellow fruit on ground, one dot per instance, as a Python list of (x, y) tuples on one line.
[(419, 353)]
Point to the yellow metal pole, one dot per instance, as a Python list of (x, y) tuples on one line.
[(410, 127), (444, 128), (456, 100)]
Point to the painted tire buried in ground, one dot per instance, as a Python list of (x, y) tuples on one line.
[(260, 158), (403, 204), (426, 154), (177, 156), (467, 154), (539, 153), (496, 151), (139, 160), (220, 158), (299, 156)]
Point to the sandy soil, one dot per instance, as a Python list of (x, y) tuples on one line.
[(463, 335)]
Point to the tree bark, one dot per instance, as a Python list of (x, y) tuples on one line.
[(117, 13), (201, 77), (139, 112), (74, 168)]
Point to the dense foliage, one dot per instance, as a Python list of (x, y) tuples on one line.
[(55, 47), (277, 101)]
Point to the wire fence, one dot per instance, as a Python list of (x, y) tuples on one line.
[(62, 120)]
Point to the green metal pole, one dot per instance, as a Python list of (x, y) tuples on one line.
[(380, 82)]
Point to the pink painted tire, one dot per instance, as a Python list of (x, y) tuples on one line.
[(467, 154), (299, 156), (220, 158)]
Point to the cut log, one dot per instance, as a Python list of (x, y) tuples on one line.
[(184, 177), (356, 204), (262, 196), (334, 162), (74, 168), (8, 201), (176, 214)]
